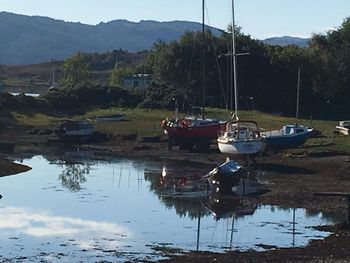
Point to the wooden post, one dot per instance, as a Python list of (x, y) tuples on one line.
[(348, 209)]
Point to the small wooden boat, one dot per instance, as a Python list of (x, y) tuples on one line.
[(75, 130)]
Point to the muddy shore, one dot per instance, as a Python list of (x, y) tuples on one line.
[(292, 181), (8, 167)]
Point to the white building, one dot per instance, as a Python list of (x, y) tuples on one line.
[(137, 81)]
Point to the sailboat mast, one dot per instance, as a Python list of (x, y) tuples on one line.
[(234, 62), (203, 59), (298, 93)]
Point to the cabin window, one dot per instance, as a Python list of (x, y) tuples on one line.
[(288, 130), (242, 135)]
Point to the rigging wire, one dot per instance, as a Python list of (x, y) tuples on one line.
[(217, 61)]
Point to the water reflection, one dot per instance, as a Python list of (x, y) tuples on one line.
[(189, 195), (73, 176), (192, 197), (129, 210), (179, 190), (224, 207), (43, 224)]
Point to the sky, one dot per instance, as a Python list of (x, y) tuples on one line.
[(259, 18)]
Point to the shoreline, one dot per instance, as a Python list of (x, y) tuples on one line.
[(292, 182), (11, 168)]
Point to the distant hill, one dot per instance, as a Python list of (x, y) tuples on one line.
[(287, 40), (35, 39)]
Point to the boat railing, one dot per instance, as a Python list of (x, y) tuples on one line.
[(239, 134)]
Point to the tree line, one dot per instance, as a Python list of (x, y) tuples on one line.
[(267, 75)]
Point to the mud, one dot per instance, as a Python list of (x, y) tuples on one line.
[(8, 167)]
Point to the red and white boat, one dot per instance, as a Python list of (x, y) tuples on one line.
[(192, 132)]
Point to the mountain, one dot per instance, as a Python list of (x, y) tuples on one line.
[(35, 39), (287, 40)]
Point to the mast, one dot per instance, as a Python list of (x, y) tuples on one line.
[(234, 62), (203, 59), (298, 92)]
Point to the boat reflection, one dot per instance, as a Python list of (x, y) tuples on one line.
[(197, 199), (227, 207), (189, 195), (182, 191)]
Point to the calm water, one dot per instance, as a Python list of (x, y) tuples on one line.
[(129, 210)]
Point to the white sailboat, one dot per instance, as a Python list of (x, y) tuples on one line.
[(240, 137)]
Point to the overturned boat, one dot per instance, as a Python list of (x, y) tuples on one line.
[(226, 175)]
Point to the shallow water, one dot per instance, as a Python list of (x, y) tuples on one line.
[(131, 210)]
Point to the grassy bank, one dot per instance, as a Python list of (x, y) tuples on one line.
[(144, 122)]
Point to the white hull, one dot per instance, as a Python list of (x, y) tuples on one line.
[(240, 147), (81, 132), (342, 130), (75, 129)]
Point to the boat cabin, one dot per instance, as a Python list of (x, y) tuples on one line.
[(345, 124), (292, 129), (242, 130)]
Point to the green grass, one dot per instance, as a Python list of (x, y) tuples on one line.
[(145, 122), (35, 120)]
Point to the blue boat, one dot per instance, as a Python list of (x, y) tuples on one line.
[(290, 136)]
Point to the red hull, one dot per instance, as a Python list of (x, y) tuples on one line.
[(195, 132)]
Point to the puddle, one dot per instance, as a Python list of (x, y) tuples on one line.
[(132, 210)]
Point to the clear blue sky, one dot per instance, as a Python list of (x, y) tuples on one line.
[(259, 18)]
